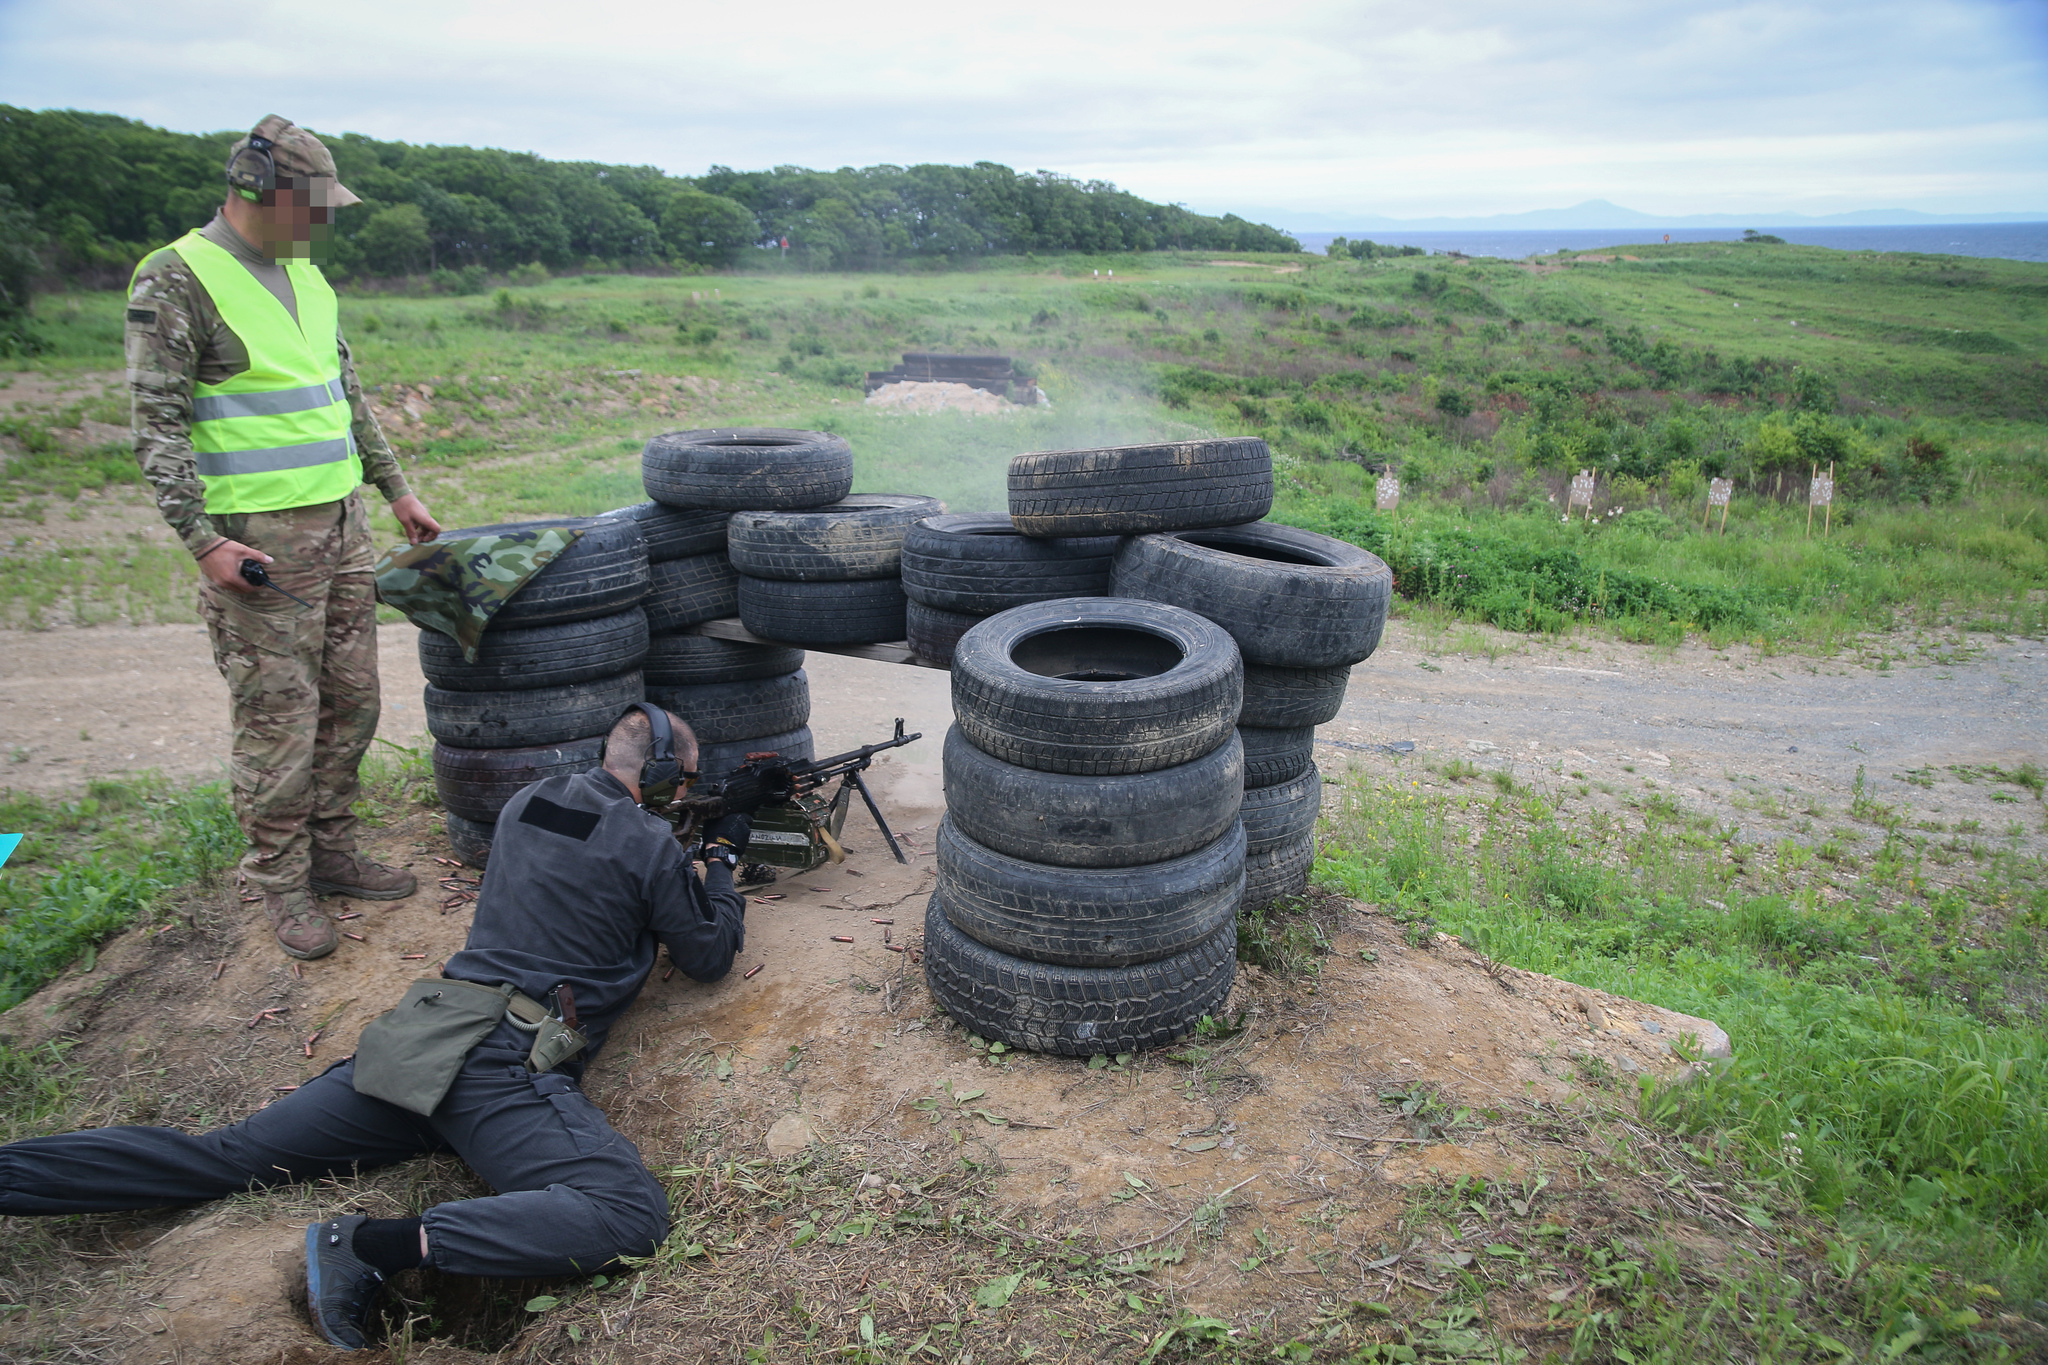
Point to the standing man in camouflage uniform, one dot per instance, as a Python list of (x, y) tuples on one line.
[(251, 426)]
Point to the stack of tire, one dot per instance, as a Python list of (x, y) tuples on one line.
[(1091, 861), (556, 666), (1303, 608), (960, 569), (738, 697), (829, 575)]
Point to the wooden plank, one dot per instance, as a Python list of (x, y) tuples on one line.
[(894, 652)]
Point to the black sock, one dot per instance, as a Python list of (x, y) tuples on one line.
[(389, 1244)]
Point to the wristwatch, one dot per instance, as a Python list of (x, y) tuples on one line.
[(722, 853)]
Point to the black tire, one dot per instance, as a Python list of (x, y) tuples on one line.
[(538, 715), (716, 760), (1066, 821), (1284, 813), (470, 840), (734, 468), (934, 634), (1096, 686), (540, 656), (1074, 1011), (1290, 598), (860, 537), (693, 660), (671, 532), (1275, 756), (476, 783), (719, 712), (601, 574), (1132, 490), (1278, 872), (691, 589), (862, 612), (1283, 698), (1090, 916), (980, 564)]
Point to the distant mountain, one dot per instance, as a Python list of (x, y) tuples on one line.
[(1600, 215)]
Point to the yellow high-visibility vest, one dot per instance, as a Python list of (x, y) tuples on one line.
[(278, 434)]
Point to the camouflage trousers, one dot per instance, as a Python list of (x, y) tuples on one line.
[(302, 685)]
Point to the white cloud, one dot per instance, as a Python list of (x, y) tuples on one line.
[(1304, 106)]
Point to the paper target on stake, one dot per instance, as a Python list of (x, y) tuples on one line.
[(1822, 494), (1719, 491), (1387, 495)]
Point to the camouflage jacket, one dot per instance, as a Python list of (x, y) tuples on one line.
[(176, 339), (456, 584)]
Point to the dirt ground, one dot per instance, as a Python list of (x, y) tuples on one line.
[(1702, 723), (835, 1047)]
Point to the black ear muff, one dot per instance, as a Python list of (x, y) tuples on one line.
[(252, 170), (661, 768)]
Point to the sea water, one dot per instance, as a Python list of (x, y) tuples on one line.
[(2013, 241)]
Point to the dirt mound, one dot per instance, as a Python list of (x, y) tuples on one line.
[(925, 396), (1399, 1065)]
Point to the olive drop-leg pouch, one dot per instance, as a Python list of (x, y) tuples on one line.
[(409, 1056)]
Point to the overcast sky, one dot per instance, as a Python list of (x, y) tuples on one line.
[(1285, 111)]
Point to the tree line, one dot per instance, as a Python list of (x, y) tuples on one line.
[(84, 195)]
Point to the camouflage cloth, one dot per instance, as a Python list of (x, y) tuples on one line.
[(457, 586), (302, 685), (176, 338)]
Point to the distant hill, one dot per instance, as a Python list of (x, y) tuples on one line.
[(1600, 215), (87, 194)]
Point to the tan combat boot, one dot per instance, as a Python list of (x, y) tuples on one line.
[(301, 929), (351, 874)]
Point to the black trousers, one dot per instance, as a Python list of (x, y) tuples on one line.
[(573, 1194)]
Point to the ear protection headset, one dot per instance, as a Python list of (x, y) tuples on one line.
[(252, 171), (663, 772)]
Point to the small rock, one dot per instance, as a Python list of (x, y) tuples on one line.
[(871, 1181), (790, 1135), (1482, 746), (1652, 1026), (1596, 1017)]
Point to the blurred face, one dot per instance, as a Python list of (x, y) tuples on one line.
[(296, 219)]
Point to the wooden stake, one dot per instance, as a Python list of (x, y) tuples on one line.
[(1809, 498), (1827, 520)]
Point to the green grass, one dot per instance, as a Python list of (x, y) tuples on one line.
[(90, 865), (1484, 383), (1890, 1071)]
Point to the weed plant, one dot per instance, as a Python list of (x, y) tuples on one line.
[(89, 866), (1882, 1073), (1484, 385)]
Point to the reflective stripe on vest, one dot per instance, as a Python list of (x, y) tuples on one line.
[(278, 434)]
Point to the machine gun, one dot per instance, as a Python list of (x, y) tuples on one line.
[(796, 825)]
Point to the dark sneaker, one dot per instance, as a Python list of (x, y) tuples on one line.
[(301, 929), (341, 1291), (351, 874)]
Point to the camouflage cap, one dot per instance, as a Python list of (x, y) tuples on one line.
[(296, 152)]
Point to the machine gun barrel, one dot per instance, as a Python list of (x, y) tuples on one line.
[(770, 780), (767, 780), (810, 776)]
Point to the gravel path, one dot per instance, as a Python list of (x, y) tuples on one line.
[(149, 698)]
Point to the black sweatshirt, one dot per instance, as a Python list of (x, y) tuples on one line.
[(581, 884)]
